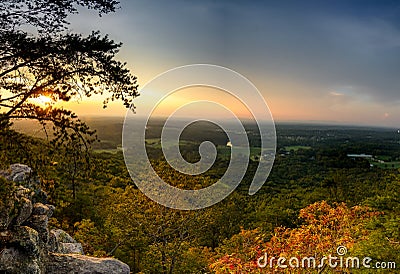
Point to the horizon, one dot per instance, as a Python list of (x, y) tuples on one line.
[(120, 118)]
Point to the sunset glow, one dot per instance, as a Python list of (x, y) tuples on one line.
[(42, 100)]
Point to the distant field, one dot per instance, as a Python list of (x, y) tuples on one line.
[(156, 143), (383, 157), (386, 165), (225, 152), (296, 148)]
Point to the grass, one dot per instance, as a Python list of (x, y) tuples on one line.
[(386, 165), (225, 152), (383, 158), (296, 148), (156, 143)]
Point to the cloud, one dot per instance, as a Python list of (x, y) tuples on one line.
[(341, 53), (334, 93)]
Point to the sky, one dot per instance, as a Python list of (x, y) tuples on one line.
[(325, 61)]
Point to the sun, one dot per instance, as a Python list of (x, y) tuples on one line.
[(42, 100)]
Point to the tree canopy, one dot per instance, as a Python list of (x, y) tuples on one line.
[(39, 56)]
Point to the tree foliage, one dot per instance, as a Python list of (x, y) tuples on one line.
[(325, 228), (39, 57)]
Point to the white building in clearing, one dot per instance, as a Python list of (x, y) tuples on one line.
[(360, 156)]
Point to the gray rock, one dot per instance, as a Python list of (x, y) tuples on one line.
[(75, 263), (22, 253), (51, 210), (15, 261), (23, 192), (71, 248), (26, 238), (39, 223), (61, 242), (17, 173), (16, 208), (24, 211), (41, 209), (62, 236), (53, 245)]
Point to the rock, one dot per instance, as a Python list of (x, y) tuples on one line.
[(23, 192), (15, 261), (51, 210), (5, 212), (53, 245), (75, 263), (27, 246), (17, 173), (40, 219), (62, 236), (41, 209), (24, 211), (26, 238), (22, 252), (39, 223), (71, 248), (61, 242), (15, 208)]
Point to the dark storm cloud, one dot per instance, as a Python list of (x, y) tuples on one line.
[(326, 43)]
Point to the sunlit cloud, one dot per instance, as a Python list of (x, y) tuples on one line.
[(334, 93)]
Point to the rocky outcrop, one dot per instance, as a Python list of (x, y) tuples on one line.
[(76, 263), (17, 173), (62, 242), (26, 244), (21, 251)]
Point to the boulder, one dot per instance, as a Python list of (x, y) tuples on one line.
[(17, 172), (21, 252), (39, 220), (61, 242), (62, 236), (16, 208), (26, 238), (71, 248), (75, 263), (39, 223), (15, 261), (40, 209)]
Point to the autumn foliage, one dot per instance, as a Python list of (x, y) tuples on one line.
[(324, 228)]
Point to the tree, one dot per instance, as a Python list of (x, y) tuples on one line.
[(325, 228), (50, 61), (156, 239)]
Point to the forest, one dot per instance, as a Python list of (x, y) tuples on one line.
[(316, 199)]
